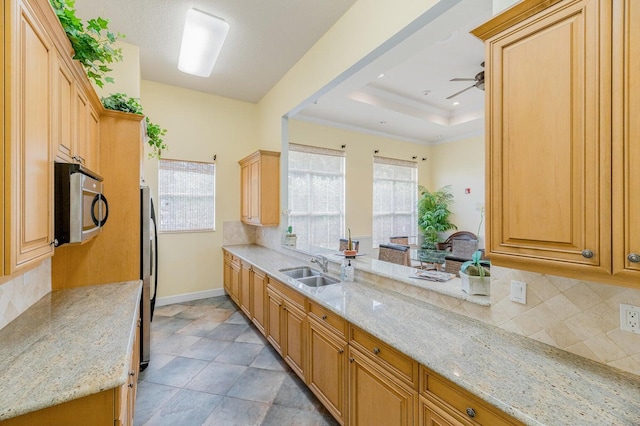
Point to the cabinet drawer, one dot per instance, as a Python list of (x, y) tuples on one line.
[(401, 365), (451, 398), (295, 298), (329, 319), (231, 259)]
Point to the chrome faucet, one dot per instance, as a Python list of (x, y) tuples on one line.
[(321, 261)]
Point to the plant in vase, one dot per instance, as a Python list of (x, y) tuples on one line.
[(475, 275), (290, 238), (433, 214)]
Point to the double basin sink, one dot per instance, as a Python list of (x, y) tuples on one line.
[(309, 277)]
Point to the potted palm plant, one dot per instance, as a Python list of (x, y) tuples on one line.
[(433, 214)]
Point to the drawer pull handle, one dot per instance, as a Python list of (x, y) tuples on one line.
[(471, 412), (351, 360), (132, 373), (130, 385), (376, 351), (340, 351), (634, 258), (324, 317), (587, 254)]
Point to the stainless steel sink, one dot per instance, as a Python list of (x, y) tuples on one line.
[(309, 277), (300, 272), (318, 281)]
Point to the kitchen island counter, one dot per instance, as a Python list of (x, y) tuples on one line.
[(535, 383), (70, 344)]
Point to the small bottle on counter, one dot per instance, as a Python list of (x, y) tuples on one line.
[(349, 272), (343, 270)]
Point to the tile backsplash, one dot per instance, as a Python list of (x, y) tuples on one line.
[(17, 295), (578, 316)]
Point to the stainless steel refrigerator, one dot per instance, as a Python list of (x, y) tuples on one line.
[(148, 272)]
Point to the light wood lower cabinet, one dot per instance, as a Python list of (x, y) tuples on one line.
[(360, 379), (287, 324), (376, 396), (246, 282), (258, 310), (327, 371), (231, 280)]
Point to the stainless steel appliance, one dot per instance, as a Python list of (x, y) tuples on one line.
[(81, 210), (148, 272)]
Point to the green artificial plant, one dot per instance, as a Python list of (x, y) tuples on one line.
[(122, 102), (433, 214), (92, 45), (476, 267)]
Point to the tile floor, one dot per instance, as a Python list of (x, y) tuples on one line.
[(211, 366)]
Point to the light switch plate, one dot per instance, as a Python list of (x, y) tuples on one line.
[(630, 318), (519, 292)]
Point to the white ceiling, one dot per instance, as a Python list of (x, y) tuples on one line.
[(409, 102), (267, 38)]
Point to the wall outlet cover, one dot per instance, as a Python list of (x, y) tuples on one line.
[(519, 292), (630, 318)]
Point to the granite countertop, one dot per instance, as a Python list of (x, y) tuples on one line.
[(70, 344), (533, 382)]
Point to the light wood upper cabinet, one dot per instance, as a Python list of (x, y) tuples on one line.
[(562, 163), (28, 165), (260, 188), (626, 140), (64, 98)]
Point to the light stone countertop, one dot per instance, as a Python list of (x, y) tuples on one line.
[(70, 344), (533, 382)]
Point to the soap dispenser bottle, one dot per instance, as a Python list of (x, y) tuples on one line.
[(349, 272), (343, 270)]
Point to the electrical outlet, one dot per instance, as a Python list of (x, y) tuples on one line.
[(630, 318), (519, 292)]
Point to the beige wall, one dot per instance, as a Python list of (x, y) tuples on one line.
[(126, 74), (359, 165), (461, 165), (198, 126)]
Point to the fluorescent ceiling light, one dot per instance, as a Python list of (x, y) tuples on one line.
[(202, 41)]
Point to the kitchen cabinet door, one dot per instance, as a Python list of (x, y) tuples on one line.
[(258, 311), (548, 98), (274, 319), (294, 332), (246, 284), (260, 188), (64, 96), (626, 141), (28, 145), (432, 415), (375, 396), (327, 371)]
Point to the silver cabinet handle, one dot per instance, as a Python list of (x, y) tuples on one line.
[(587, 254), (634, 258), (324, 317), (471, 412), (376, 351), (340, 351)]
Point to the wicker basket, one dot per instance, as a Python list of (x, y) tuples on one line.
[(452, 265)]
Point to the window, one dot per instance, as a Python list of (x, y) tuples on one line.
[(316, 195), (187, 196), (395, 193)]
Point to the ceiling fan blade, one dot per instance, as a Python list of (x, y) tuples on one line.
[(462, 91), (463, 79)]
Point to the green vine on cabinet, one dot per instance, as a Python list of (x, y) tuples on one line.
[(122, 102), (93, 45)]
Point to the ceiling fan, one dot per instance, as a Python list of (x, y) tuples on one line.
[(479, 82)]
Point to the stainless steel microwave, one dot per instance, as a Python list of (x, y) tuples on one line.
[(81, 209)]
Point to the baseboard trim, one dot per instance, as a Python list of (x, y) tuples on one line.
[(187, 297)]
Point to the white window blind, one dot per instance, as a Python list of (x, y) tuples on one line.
[(316, 195), (187, 196), (395, 197)]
